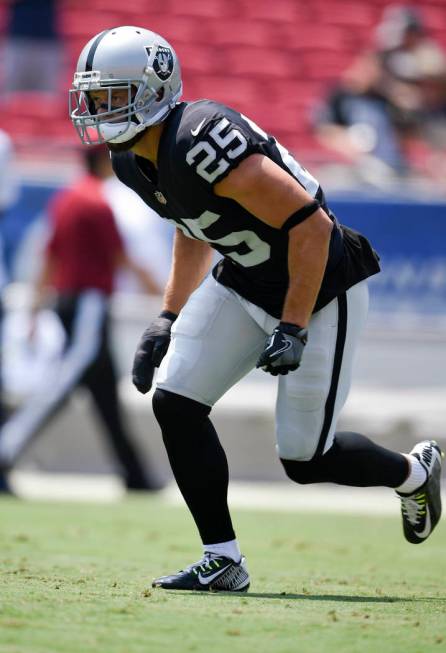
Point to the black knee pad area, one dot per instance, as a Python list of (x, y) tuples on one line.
[(304, 472), (177, 412)]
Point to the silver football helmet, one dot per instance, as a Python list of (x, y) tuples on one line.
[(130, 59)]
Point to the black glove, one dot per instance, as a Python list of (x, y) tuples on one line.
[(283, 349), (151, 350)]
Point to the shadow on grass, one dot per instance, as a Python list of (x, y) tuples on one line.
[(344, 598), (324, 597)]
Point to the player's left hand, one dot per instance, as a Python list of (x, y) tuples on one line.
[(283, 349)]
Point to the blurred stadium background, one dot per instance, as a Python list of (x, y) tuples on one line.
[(274, 61)]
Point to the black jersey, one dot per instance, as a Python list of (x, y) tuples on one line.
[(200, 144)]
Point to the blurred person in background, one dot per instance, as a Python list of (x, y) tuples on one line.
[(8, 195), (147, 239), (402, 43), (290, 273), (426, 136), (81, 258), (360, 123), (413, 77), (380, 116), (32, 45)]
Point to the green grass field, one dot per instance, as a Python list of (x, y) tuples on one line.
[(76, 579)]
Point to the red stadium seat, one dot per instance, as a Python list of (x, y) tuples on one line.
[(345, 13), (259, 62), (3, 17), (179, 29), (270, 60), (214, 9), (34, 104), (287, 11), (75, 24), (325, 65), (243, 32), (198, 59), (240, 93), (304, 37)]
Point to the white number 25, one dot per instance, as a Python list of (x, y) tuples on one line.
[(211, 154)]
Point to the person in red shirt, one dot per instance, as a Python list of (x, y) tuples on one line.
[(81, 257), (85, 245)]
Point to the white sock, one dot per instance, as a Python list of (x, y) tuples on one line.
[(229, 549), (417, 476)]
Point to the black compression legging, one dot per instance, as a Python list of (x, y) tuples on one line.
[(200, 466), (198, 463), (352, 460)]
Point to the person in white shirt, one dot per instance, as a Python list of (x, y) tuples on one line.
[(147, 239)]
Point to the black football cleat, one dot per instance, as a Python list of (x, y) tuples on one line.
[(421, 510), (213, 573)]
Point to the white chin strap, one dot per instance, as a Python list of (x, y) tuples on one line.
[(119, 132)]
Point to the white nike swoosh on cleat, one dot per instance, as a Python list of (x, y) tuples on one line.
[(205, 580), (195, 131), (427, 527)]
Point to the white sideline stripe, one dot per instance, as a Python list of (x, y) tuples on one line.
[(287, 497), (40, 486), (283, 497)]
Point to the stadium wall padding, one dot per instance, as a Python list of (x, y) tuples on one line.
[(409, 235)]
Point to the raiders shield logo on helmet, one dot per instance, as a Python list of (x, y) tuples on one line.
[(162, 61)]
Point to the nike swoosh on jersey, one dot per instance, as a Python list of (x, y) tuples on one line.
[(205, 580), (427, 526), (195, 131)]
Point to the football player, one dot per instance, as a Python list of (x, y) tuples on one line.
[(289, 294)]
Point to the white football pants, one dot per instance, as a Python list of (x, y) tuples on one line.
[(218, 337)]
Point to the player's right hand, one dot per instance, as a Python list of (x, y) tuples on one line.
[(283, 349), (151, 350)]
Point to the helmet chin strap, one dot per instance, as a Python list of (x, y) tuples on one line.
[(119, 133), (125, 146), (116, 135)]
